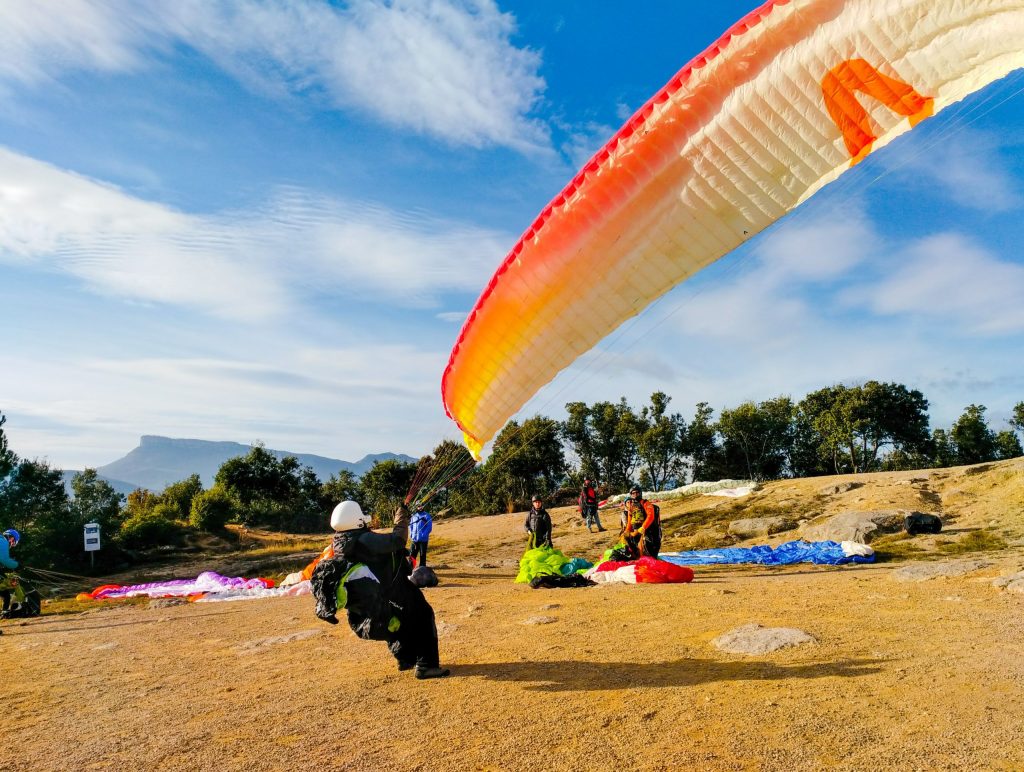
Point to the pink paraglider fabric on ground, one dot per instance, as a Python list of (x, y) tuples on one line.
[(206, 582)]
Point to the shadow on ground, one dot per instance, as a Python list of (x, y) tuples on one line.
[(564, 676)]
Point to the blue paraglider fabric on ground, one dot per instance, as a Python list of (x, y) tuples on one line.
[(821, 552)]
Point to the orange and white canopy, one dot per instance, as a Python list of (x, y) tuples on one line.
[(789, 98)]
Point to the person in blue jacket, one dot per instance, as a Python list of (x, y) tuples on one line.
[(8, 581), (419, 531)]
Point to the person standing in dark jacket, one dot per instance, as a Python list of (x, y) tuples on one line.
[(538, 525), (383, 605), (588, 506)]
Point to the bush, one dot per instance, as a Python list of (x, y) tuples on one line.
[(211, 510), (152, 528)]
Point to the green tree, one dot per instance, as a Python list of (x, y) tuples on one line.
[(211, 510), (760, 436), (279, 493), (343, 486), (157, 526), (384, 487), (603, 436), (442, 473), (857, 422), (659, 443), (701, 445), (139, 501), (943, 450), (1017, 420), (526, 459), (8, 459), (95, 501), (1008, 445), (33, 500), (975, 442), (179, 495)]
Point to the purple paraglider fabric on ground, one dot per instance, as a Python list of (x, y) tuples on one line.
[(206, 582)]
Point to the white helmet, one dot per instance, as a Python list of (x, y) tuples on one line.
[(348, 515)]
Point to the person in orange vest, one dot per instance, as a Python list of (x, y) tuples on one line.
[(588, 506), (641, 525)]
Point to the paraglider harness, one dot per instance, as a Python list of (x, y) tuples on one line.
[(636, 545), (365, 588), (30, 606)]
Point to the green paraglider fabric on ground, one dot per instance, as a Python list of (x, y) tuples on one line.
[(540, 562)]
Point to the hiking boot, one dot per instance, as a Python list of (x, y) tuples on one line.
[(432, 672), (600, 528), (402, 666)]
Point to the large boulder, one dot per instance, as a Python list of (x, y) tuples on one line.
[(860, 527), (754, 527)]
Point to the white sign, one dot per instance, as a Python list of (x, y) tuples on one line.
[(92, 537)]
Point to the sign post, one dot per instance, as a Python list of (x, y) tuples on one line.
[(92, 541)]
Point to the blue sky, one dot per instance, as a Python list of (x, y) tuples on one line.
[(267, 220)]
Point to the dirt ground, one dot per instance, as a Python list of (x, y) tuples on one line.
[(918, 675)]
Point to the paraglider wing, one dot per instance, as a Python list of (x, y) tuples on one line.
[(789, 98)]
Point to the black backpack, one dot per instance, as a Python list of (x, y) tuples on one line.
[(918, 522)]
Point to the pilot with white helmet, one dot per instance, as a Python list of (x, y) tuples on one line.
[(369, 577)]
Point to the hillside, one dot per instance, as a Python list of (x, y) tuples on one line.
[(159, 461), (904, 673)]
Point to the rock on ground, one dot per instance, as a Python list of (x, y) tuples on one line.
[(755, 639), (925, 571), (834, 490), (760, 526), (854, 526), (1012, 583)]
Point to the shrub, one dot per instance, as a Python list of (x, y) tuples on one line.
[(211, 510), (153, 528)]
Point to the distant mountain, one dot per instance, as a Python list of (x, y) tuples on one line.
[(159, 461), (120, 486)]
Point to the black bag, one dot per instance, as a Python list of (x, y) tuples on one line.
[(424, 576), (918, 522)]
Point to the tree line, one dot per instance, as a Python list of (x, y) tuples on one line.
[(835, 430)]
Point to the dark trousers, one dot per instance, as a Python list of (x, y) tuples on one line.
[(415, 642), (590, 516), (419, 552)]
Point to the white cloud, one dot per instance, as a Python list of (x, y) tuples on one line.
[(242, 265), (455, 317), (584, 141), (967, 169), (341, 402), (445, 68), (949, 278)]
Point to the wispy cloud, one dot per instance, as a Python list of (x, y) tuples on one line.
[(583, 141), (444, 68), (331, 400), (242, 265), (951, 279), (966, 166)]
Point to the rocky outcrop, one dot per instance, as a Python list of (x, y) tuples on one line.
[(854, 526), (834, 490), (754, 527)]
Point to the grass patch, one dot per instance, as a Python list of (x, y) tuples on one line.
[(975, 541), (897, 546), (62, 606)]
